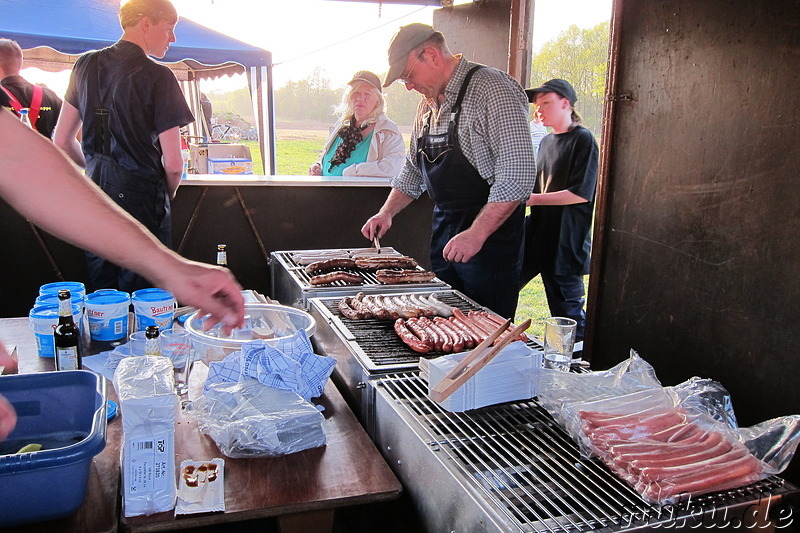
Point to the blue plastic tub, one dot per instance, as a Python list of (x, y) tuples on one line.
[(65, 412)]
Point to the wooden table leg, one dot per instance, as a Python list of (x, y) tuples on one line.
[(309, 522)]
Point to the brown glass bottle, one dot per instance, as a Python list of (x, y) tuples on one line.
[(66, 336), (152, 343), (222, 256)]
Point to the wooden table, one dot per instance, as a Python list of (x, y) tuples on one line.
[(302, 489)]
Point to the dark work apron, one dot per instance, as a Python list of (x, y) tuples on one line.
[(142, 194), (459, 193)]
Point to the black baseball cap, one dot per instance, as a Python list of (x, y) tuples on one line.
[(556, 85)]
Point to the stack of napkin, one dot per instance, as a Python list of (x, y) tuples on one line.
[(513, 374)]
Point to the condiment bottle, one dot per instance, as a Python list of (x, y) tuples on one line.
[(66, 336)]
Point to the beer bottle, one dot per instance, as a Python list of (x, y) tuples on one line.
[(66, 336), (152, 343), (222, 256)]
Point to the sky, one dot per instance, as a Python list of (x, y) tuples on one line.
[(339, 37)]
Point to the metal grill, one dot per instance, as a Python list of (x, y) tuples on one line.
[(368, 277), (378, 341), (524, 465)]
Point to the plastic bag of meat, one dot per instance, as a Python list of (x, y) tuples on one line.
[(559, 388), (668, 443)]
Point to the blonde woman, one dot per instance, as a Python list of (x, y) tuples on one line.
[(364, 142)]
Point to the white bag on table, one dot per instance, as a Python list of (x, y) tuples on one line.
[(148, 405)]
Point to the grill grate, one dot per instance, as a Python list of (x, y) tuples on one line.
[(377, 339), (523, 462), (368, 277)]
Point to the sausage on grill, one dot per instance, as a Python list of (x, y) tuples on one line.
[(346, 310), (336, 275), (411, 340), (329, 264), (403, 276)]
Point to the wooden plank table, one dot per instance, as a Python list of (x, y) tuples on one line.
[(100, 509), (302, 489)]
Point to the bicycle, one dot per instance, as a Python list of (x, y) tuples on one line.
[(225, 132)]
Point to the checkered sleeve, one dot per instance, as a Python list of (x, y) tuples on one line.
[(409, 181), (504, 150)]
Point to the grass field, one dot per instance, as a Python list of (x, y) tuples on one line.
[(298, 148)]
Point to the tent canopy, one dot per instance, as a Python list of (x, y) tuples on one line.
[(54, 33), (68, 28)]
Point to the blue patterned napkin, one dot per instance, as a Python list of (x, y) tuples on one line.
[(290, 364)]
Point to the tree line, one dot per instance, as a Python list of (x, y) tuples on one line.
[(577, 55)]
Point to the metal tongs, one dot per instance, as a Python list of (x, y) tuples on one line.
[(477, 359), (377, 243)]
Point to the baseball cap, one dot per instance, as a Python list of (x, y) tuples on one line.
[(556, 85), (404, 41), (367, 76)]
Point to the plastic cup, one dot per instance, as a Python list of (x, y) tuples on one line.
[(43, 319), (107, 312), (153, 307), (136, 343), (176, 346), (559, 341)]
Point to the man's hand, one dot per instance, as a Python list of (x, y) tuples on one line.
[(213, 290), (376, 226), (463, 247)]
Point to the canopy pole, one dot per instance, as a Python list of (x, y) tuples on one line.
[(265, 115)]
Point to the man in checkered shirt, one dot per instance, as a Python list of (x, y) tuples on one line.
[(471, 152)]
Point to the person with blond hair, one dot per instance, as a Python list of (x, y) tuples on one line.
[(17, 93), (130, 110), (364, 141)]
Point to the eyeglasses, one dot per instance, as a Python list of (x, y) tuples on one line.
[(407, 78)]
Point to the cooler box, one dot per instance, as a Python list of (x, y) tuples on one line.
[(230, 165), (65, 412), (201, 153)]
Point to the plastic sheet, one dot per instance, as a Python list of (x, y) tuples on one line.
[(669, 443), (249, 419)]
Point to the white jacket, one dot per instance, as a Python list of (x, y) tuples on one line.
[(386, 154)]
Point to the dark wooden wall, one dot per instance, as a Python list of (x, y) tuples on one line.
[(699, 266), (280, 218)]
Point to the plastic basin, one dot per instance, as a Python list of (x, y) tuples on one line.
[(262, 321)]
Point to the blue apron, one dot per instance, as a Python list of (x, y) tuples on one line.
[(143, 195), (459, 193)]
